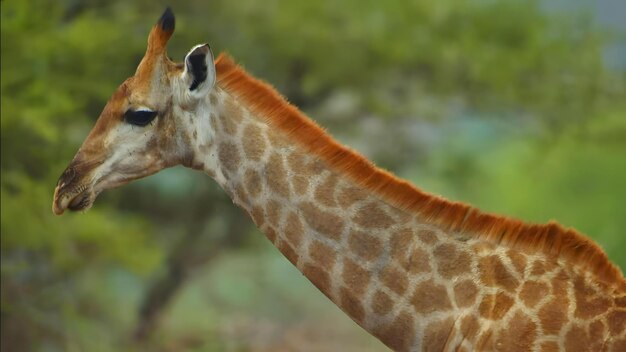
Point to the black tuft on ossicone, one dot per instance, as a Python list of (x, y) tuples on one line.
[(167, 20)]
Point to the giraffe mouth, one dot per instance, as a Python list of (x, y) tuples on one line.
[(80, 202), (82, 197), (78, 190), (77, 199)]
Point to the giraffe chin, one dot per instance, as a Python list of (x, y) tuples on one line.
[(80, 202)]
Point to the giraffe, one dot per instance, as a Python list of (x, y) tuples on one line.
[(417, 271)]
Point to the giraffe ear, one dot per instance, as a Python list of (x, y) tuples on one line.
[(199, 71)]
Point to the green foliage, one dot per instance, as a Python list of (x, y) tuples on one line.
[(497, 103), (504, 55)]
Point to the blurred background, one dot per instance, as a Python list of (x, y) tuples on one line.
[(518, 107)]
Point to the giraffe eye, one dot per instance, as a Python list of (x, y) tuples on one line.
[(139, 117)]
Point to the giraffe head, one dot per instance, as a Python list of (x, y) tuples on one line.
[(144, 126)]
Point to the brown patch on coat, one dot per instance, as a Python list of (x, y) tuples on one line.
[(451, 261), (381, 303), (493, 273), (355, 277), (395, 279), (254, 144), (372, 216), (253, 182), (495, 306), (538, 268), (616, 319), (350, 195), (418, 261), (532, 292), (315, 167), (213, 121), (437, 333), (597, 333), (318, 277), (549, 346), (323, 255), (276, 140), (560, 283), (553, 315), (365, 246), (300, 184), (351, 305), (400, 242), (465, 293), (327, 224), (299, 179), (288, 251), (276, 176), (296, 163), (399, 334), (228, 125), (258, 216), (577, 340), (325, 191), (294, 229), (213, 98), (518, 260), (588, 303), (518, 335), (272, 209), (427, 236), (469, 327), (430, 297), (484, 341), (229, 157), (270, 233), (618, 345), (241, 194), (620, 301)]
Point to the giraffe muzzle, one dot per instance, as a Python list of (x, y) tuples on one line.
[(73, 191), (76, 200), (82, 182)]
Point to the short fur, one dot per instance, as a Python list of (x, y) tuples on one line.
[(455, 217)]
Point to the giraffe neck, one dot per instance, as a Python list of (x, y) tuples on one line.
[(399, 276), (354, 247)]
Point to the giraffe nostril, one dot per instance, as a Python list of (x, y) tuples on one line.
[(67, 177)]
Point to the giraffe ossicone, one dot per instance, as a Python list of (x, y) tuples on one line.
[(417, 271)]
